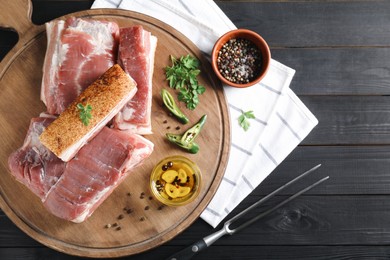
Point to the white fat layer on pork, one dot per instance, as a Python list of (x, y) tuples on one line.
[(133, 160), (99, 35), (71, 151), (139, 129), (138, 156), (126, 114), (87, 212), (51, 38)]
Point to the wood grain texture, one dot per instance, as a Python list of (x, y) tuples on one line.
[(308, 220), (228, 252), (349, 120), (91, 238), (337, 71), (314, 23), (340, 50)]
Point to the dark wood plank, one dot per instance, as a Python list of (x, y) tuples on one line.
[(8, 39), (224, 252), (337, 71), (353, 170), (308, 220), (313, 220), (338, 48), (314, 23), (46, 10), (349, 120)]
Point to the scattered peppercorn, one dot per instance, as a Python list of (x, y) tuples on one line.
[(239, 60), (169, 164), (115, 224), (165, 121), (129, 211), (147, 208), (160, 207), (120, 216), (118, 228), (150, 198), (107, 226), (128, 194), (142, 219), (177, 128)]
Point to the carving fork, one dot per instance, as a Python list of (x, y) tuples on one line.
[(190, 251)]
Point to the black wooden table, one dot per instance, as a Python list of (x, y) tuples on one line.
[(341, 53)]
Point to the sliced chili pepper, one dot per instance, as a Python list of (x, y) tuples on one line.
[(190, 135), (176, 139), (170, 103), (186, 140)]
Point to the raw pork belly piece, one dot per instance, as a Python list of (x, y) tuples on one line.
[(136, 56), (78, 52), (99, 167), (33, 164), (106, 96)]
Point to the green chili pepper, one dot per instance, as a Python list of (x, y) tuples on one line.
[(176, 139), (186, 140), (169, 102)]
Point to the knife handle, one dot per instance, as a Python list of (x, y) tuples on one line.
[(190, 251)]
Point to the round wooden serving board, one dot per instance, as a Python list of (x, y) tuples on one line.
[(20, 80)]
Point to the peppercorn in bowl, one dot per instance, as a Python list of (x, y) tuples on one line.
[(175, 181), (240, 58)]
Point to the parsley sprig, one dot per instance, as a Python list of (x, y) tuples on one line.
[(182, 75), (243, 119), (84, 113)]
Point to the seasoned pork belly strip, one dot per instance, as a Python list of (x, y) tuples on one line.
[(98, 168), (78, 52), (136, 55), (33, 164), (107, 95)]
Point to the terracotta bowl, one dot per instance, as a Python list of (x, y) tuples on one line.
[(254, 38)]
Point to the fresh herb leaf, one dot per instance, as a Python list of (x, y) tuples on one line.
[(243, 119), (182, 76), (249, 114), (84, 113)]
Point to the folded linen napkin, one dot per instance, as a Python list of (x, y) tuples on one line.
[(282, 120)]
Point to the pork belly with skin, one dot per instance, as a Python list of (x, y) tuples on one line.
[(78, 52), (106, 96), (33, 164), (98, 168), (73, 190), (136, 56)]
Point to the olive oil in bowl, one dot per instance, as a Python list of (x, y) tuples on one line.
[(175, 181)]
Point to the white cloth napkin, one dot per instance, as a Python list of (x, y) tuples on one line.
[(282, 120)]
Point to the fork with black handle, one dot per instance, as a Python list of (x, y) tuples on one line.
[(195, 248)]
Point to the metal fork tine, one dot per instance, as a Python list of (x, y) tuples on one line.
[(264, 199), (207, 241), (247, 223)]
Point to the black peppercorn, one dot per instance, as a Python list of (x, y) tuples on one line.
[(239, 61)]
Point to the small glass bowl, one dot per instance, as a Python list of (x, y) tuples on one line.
[(168, 191)]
